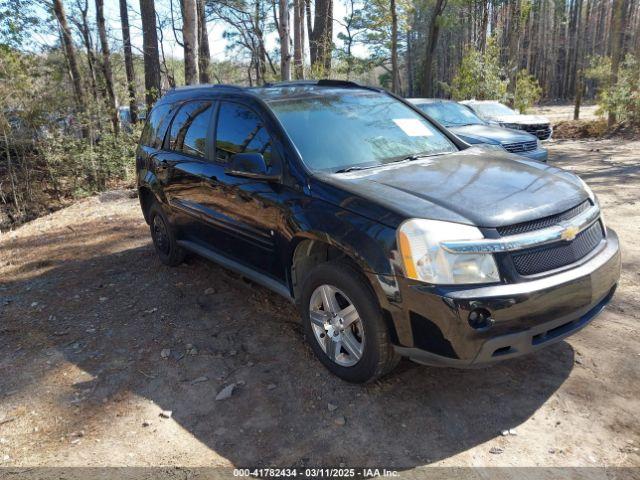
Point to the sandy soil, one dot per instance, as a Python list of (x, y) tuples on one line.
[(557, 113), (88, 313)]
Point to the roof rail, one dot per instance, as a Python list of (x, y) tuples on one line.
[(206, 85), (224, 85), (324, 82), (328, 82)]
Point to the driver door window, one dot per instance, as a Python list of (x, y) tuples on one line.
[(240, 130)]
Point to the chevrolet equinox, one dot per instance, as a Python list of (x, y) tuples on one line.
[(392, 236)]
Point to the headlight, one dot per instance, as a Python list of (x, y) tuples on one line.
[(424, 259), (594, 200), (587, 188)]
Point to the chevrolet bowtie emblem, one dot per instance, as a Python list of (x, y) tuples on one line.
[(569, 233)]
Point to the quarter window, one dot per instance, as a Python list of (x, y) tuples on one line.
[(190, 128), (240, 130), (156, 126)]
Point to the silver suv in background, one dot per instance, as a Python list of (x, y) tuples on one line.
[(499, 114), (465, 124)]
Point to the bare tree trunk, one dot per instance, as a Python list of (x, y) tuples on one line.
[(83, 27), (482, 35), (190, 39), (395, 74), (150, 48), (298, 38), (320, 38), (106, 66), (513, 44), (283, 31), (128, 61), (171, 79), (432, 42), (261, 53), (409, 62), (583, 19), (204, 55), (71, 54), (617, 40), (313, 50)]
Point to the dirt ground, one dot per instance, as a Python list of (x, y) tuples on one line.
[(88, 315), (557, 113)]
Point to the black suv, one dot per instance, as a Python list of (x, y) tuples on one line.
[(392, 236)]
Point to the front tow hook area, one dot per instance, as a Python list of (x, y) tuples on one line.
[(480, 319)]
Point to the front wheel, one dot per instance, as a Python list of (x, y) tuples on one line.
[(344, 325)]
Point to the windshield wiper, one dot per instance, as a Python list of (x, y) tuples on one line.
[(353, 169), (418, 156), (360, 167), (406, 158)]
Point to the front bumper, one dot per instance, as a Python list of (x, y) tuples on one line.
[(526, 316), (539, 154)]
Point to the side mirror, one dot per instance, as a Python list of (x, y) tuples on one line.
[(250, 165)]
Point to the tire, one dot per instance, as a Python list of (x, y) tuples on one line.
[(370, 333), (164, 238)]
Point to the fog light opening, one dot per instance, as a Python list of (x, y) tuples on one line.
[(480, 318)]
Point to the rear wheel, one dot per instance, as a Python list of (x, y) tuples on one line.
[(344, 325), (164, 239)]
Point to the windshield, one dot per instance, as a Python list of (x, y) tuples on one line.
[(492, 109), (342, 130), (450, 114)]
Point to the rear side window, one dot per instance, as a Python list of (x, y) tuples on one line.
[(154, 129), (190, 128), (240, 130)]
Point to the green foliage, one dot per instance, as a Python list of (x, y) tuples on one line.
[(384, 79), (599, 69), (18, 21), (480, 75), (58, 167), (369, 25), (623, 98), (527, 91), (49, 152), (79, 166)]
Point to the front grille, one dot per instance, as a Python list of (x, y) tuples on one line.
[(556, 255), (542, 130), (520, 147), (544, 222)]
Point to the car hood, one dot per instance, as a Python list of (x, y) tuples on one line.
[(490, 134), (476, 186), (521, 119)]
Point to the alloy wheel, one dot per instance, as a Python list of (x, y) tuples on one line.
[(336, 325)]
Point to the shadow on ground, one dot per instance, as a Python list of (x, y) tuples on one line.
[(595, 164), (113, 314)]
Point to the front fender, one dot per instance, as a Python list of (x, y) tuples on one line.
[(370, 244)]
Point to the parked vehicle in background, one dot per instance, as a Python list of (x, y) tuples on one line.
[(124, 114), (500, 114), (391, 235), (472, 129)]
